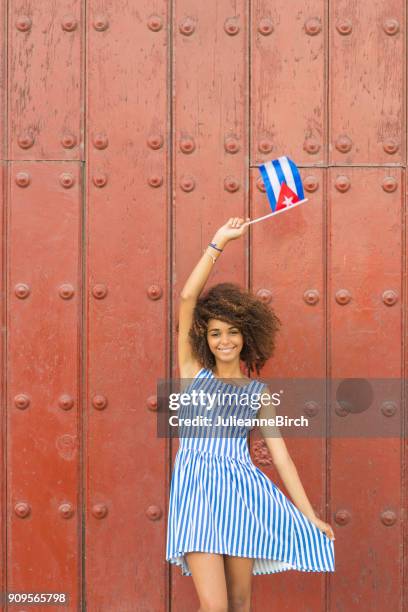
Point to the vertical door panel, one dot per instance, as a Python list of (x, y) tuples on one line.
[(45, 99), (287, 262), (127, 304), (287, 81), (287, 270), (365, 263), (43, 373), (367, 81), (365, 342), (210, 153)]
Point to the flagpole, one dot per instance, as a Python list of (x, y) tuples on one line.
[(276, 212)]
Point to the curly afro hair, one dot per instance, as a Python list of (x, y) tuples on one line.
[(256, 321)]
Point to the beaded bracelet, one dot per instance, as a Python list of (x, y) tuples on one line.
[(213, 245)]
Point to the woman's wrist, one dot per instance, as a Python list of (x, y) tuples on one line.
[(215, 247), (219, 241)]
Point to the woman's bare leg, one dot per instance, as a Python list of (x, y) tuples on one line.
[(238, 574), (207, 570)]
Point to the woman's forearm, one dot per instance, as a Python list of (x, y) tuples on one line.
[(199, 276), (290, 477)]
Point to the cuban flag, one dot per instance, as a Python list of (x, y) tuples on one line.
[(282, 182)]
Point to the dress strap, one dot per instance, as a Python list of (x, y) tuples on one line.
[(200, 372)]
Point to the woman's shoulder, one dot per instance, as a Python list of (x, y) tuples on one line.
[(191, 370)]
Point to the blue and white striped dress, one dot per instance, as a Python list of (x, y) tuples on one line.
[(220, 502)]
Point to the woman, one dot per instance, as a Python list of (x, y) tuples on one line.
[(227, 520)]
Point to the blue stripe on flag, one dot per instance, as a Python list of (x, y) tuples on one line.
[(268, 187), (273, 177), (298, 180), (287, 171), (279, 171)]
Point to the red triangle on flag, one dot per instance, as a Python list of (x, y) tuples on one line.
[(287, 197)]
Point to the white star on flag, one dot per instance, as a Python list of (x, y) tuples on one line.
[(288, 201)]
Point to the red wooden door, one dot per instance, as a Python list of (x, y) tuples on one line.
[(130, 132)]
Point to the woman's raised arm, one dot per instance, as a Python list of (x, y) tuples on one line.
[(195, 283)]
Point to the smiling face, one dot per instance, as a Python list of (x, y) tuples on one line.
[(224, 340)]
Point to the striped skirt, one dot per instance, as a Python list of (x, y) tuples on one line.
[(220, 504)]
